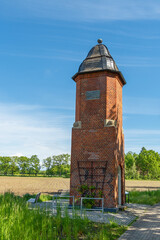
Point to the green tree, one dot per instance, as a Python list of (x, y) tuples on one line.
[(35, 164), (148, 163), (13, 165), (5, 165), (61, 163), (47, 163), (23, 164), (130, 165)]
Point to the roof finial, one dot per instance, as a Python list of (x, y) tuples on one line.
[(100, 40)]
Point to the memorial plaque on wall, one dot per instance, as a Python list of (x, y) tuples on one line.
[(91, 95)]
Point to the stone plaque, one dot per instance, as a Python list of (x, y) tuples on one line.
[(91, 95)]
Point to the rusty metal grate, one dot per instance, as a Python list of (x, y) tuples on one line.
[(92, 173)]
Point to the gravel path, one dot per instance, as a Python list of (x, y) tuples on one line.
[(122, 217), (147, 226)]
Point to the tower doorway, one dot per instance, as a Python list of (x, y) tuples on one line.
[(119, 186)]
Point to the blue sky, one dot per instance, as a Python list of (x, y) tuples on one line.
[(43, 42)]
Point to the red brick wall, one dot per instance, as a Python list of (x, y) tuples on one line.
[(97, 150), (120, 135)]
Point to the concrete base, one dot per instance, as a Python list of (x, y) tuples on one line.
[(114, 210), (122, 207)]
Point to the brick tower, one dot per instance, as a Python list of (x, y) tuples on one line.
[(97, 154)]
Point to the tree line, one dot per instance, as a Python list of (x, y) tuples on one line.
[(145, 165), (54, 166)]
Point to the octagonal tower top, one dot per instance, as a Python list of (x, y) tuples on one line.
[(99, 59)]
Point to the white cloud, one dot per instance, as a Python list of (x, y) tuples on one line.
[(135, 139), (83, 10), (58, 57), (142, 132), (138, 61), (121, 61), (137, 148), (141, 106), (29, 130)]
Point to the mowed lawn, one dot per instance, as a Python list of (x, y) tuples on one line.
[(46, 185)]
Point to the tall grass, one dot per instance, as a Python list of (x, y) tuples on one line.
[(145, 197), (42, 198), (18, 222)]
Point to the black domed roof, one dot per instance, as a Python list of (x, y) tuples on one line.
[(98, 59)]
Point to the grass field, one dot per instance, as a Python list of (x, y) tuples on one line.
[(33, 185), (18, 222)]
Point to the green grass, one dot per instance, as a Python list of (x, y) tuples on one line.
[(43, 197), (145, 197), (18, 222)]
